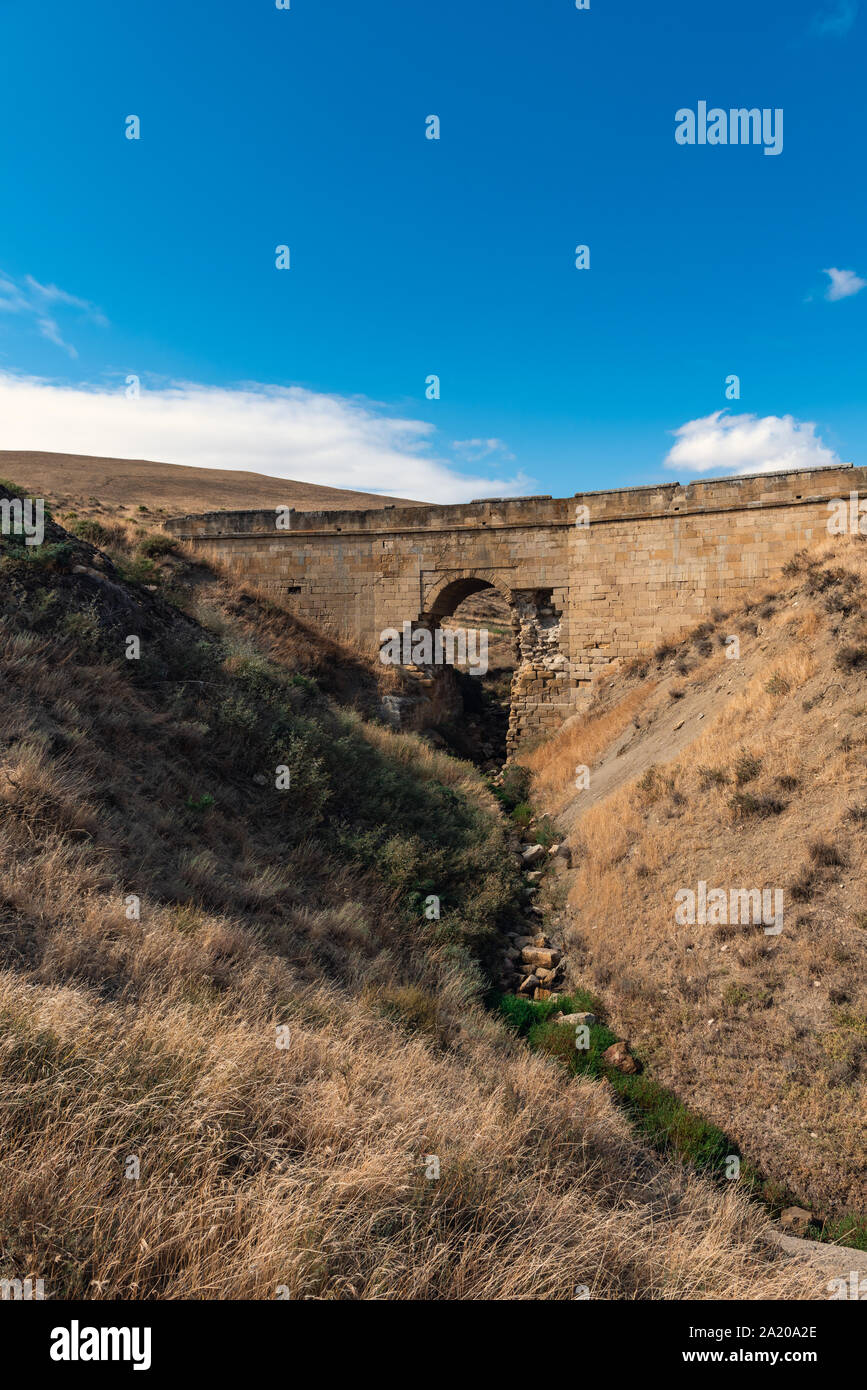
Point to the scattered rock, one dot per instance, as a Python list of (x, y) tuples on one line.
[(532, 854), (619, 1056), (535, 955), (578, 1020), (796, 1219)]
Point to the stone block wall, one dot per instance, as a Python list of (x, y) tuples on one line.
[(590, 578)]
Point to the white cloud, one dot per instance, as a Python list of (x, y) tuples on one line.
[(837, 19), (287, 432), (30, 299), (843, 283), (54, 295), (477, 449), (747, 444)]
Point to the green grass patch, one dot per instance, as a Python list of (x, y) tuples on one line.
[(848, 1230), (669, 1125)]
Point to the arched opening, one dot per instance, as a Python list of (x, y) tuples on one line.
[(478, 622)]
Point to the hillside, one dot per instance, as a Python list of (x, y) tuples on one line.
[(738, 771), (130, 487), (232, 1039)]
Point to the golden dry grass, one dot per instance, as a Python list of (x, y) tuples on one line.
[(101, 486), (153, 942), (553, 762), (765, 1036)]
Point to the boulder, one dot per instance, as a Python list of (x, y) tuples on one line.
[(796, 1219), (532, 854), (535, 955), (619, 1056), (578, 1020)]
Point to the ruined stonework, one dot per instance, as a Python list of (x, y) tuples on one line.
[(648, 562)]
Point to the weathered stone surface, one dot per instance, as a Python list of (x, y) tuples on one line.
[(537, 955), (532, 855), (578, 1020), (796, 1219), (619, 1056), (648, 561)]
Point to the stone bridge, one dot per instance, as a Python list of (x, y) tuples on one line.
[(589, 578)]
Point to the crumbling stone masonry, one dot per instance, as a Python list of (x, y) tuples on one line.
[(589, 578)]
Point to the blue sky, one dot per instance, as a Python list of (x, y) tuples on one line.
[(411, 257)]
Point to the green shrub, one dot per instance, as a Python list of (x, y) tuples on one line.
[(515, 786), (747, 766), (155, 545), (92, 531), (777, 685)]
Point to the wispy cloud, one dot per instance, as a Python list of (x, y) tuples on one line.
[(52, 294), (287, 432), (836, 19), (41, 306), (747, 444), (474, 450), (843, 283)]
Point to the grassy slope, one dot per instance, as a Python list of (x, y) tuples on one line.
[(147, 1030), (764, 1036), (135, 487)]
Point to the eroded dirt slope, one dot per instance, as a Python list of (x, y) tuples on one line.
[(741, 771)]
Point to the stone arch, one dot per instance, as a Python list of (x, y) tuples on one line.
[(444, 595)]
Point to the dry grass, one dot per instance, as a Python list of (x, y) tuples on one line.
[(764, 1036), (141, 489), (553, 763), (147, 1030)]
